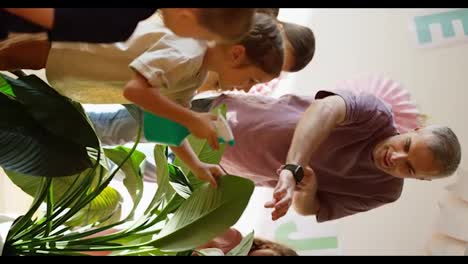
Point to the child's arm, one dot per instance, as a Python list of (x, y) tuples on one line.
[(204, 171), (201, 125)]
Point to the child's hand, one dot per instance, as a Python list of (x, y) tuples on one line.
[(203, 127), (208, 172)]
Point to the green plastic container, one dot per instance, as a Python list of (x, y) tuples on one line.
[(162, 130)]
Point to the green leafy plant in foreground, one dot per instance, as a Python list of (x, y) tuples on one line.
[(81, 212)]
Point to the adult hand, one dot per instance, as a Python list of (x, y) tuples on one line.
[(282, 195)]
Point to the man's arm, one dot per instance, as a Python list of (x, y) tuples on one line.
[(314, 127), (306, 203)]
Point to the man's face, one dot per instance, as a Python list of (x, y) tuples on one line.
[(406, 156)]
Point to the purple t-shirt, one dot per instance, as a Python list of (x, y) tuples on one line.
[(348, 180)]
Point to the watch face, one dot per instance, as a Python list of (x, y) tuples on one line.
[(297, 171), (299, 174)]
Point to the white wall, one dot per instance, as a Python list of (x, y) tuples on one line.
[(12, 199), (353, 41)]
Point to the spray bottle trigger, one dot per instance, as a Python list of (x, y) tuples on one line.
[(224, 131)]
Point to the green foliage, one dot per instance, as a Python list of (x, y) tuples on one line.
[(75, 212)]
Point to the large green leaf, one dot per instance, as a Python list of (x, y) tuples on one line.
[(106, 206), (13, 112), (26, 147), (162, 172), (5, 87), (133, 179), (60, 185), (56, 113), (179, 181), (204, 152), (101, 208), (154, 224), (33, 152), (207, 213), (162, 176)]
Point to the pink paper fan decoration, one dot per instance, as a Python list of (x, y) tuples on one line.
[(263, 89), (406, 114)]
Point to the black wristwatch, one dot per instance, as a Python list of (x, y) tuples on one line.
[(297, 171)]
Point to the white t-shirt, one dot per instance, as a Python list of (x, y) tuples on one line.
[(97, 73)]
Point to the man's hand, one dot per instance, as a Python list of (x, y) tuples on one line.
[(309, 182), (203, 126), (208, 172), (305, 200), (282, 195)]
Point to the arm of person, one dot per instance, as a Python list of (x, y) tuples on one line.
[(201, 125), (314, 127), (203, 171), (317, 122), (305, 200), (39, 16), (95, 25), (333, 206), (139, 91), (302, 203)]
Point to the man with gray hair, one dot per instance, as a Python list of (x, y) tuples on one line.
[(445, 147), (332, 155)]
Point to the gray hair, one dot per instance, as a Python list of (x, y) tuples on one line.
[(446, 149)]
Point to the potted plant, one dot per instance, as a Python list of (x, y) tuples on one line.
[(55, 156)]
